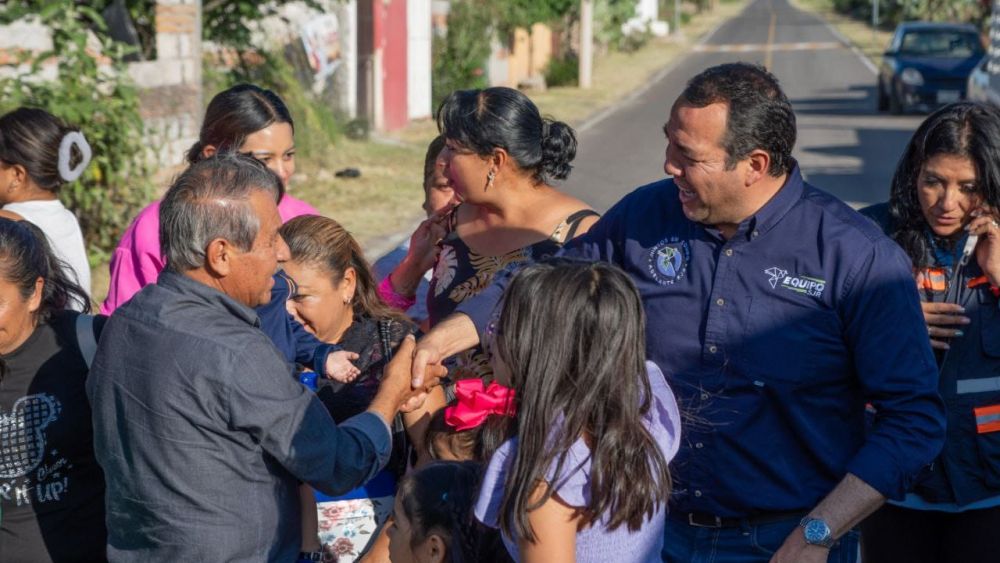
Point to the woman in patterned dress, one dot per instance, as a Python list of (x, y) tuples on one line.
[(503, 160)]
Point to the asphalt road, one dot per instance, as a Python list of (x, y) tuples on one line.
[(844, 145)]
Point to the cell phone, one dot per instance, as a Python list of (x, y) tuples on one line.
[(968, 249)]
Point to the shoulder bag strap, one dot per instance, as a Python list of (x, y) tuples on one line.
[(86, 338)]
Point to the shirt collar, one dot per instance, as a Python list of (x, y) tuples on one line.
[(208, 296)]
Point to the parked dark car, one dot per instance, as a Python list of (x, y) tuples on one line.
[(927, 65)]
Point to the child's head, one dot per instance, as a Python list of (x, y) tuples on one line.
[(438, 193), (468, 429), (432, 517), (576, 362)]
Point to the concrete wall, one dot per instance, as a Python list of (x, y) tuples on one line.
[(169, 87), (171, 92)]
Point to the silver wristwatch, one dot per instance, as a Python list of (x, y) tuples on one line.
[(817, 532)]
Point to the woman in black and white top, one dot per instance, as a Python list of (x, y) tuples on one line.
[(51, 488)]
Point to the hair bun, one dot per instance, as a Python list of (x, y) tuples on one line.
[(194, 153), (558, 150)]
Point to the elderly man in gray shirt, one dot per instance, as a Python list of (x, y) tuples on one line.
[(202, 431)]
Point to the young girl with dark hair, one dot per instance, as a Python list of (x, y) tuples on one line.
[(53, 488), (245, 118), (432, 518), (583, 476), (38, 155), (943, 210)]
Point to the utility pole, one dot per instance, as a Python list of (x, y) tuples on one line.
[(677, 16), (586, 43), (874, 22)]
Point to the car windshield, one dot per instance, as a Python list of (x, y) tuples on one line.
[(940, 43)]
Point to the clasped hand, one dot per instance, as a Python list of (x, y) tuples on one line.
[(397, 377)]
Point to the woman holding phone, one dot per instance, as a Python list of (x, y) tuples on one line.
[(942, 211)]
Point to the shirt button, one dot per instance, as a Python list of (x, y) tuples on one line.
[(713, 349), (720, 302), (729, 252), (699, 445), (755, 233), (697, 494), (704, 396)]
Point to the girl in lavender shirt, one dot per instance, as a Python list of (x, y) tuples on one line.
[(583, 475)]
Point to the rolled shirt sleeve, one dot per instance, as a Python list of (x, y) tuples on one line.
[(294, 427), (885, 329)]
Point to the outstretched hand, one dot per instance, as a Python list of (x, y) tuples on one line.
[(397, 374)]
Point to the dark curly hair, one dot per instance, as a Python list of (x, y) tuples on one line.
[(759, 114), (484, 120), (965, 129)]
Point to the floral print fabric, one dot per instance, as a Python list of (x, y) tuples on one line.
[(348, 527)]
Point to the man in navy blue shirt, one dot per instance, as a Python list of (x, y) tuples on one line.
[(777, 313)]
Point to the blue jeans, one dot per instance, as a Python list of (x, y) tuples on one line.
[(684, 543)]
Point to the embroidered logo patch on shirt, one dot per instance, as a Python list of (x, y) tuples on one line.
[(807, 285), (668, 260)]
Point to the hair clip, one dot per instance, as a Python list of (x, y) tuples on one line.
[(73, 138)]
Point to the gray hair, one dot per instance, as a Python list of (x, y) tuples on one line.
[(211, 200)]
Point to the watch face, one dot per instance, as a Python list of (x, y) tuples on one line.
[(816, 531)]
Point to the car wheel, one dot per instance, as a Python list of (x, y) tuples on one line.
[(881, 101), (895, 105)]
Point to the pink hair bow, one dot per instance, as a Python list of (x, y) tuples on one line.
[(474, 403)]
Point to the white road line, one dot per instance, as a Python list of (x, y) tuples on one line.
[(840, 36)]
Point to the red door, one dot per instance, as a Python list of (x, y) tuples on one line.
[(392, 37)]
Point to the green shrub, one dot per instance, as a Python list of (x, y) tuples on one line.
[(104, 104), (460, 56), (563, 71)]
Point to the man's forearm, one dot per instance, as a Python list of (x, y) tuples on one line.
[(385, 406), (451, 336), (850, 502)]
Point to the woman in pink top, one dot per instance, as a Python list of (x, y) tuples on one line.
[(244, 118)]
